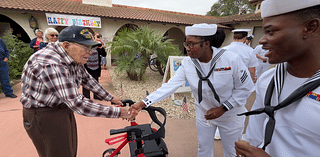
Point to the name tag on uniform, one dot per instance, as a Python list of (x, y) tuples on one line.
[(222, 69), (313, 95)]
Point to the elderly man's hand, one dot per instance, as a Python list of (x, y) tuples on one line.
[(116, 101), (125, 114), (135, 109)]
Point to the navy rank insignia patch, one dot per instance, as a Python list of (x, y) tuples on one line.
[(313, 95)]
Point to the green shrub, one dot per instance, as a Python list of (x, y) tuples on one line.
[(19, 54), (142, 42)]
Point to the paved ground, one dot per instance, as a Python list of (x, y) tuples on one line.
[(181, 137)]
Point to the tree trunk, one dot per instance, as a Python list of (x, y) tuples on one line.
[(132, 75), (160, 68)]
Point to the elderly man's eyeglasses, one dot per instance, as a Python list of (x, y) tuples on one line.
[(88, 49), (190, 45)]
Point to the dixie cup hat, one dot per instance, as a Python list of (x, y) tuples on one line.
[(201, 29), (278, 7), (250, 37), (79, 35), (241, 30)]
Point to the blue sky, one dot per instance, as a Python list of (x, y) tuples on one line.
[(200, 7)]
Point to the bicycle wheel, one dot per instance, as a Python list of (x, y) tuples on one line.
[(108, 152), (153, 65)]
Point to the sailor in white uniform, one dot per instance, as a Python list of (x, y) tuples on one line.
[(244, 51), (285, 119), (220, 94), (264, 65), (249, 39)]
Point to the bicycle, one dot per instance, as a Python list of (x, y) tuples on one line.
[(143, 140), (155, 65), (152, 63)]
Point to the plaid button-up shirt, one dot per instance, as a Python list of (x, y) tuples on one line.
[(51, 78)]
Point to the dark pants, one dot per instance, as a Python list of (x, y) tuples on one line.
[(4, 78), (53, 131), (86, 92)]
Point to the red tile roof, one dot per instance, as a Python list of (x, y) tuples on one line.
[(226, 20), (76, 7), (117, 11)]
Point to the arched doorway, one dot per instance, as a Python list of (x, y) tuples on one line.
[(6, 23), (178, 37), (129, 27)]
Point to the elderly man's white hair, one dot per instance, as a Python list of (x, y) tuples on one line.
[(49, 31)]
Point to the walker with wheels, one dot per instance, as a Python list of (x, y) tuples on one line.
[(143, 140)]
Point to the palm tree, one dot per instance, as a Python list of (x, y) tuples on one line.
[(135, 47)]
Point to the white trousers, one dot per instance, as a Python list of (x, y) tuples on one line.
[(229, 132)]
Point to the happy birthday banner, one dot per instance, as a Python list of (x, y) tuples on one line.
[(69, 20)]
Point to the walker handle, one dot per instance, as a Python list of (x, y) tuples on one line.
[(125, 102), (118, 131)]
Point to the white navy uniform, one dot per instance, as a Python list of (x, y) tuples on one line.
[(245, 52), (263, 66), (297, 126), (232, 83)]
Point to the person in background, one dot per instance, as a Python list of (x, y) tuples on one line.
[(286, 119), (264, 65), (4, 71), (249, 39), (50, 83), (244, 51), (50, 35), (35, 43), (103, 58), (93, 65), (220, 83)]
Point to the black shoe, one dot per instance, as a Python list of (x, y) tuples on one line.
[(11, 96)]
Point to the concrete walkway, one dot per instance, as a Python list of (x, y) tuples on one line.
[(181, 136)]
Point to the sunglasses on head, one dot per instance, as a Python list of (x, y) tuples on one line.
[(52, 35)]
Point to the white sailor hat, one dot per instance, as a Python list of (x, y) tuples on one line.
[(202, 29), (277, 7), (249, 37), (241, 30)]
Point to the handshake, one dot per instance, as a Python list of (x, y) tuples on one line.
[(132, 112), (128, 113)]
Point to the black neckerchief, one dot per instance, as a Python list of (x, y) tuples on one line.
[(277, 81), (201, 73)]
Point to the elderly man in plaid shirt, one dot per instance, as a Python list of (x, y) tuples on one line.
[(50, 82)]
